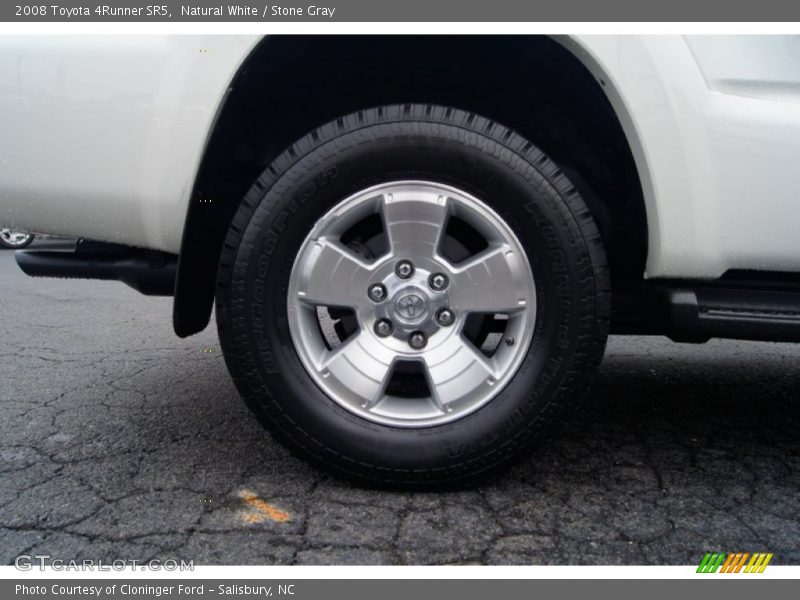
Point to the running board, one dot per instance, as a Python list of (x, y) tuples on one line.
[(697, 313), (147, 271)]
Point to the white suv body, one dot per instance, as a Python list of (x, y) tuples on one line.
[(103, 136)]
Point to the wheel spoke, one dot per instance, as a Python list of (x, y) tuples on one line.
[(334, 276), (414, 222), (363, 365), (490, 282), (456, 369)]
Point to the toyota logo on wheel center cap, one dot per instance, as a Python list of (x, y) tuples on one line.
[(410, 307)]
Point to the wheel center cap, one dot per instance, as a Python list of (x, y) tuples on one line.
[(410, 307)]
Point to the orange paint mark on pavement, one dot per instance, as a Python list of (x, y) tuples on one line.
[(262, 510)]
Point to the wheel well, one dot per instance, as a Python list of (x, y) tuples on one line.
[(291, 84)]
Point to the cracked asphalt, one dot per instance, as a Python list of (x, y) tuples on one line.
[(120, 441)]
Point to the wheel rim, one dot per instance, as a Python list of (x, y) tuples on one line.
[(13, 237), (418, 324)]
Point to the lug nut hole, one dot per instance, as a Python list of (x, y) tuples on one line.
[(377, 292), (445, 317), (417, 340), (404, 269), (383, 327), (438, 282)]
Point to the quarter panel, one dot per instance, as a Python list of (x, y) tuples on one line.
[(100, 136), (714, 125)]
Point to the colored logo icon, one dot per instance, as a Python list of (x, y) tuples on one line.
[(736, 562)]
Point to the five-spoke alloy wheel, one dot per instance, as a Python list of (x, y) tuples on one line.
[(408, 294), (14, 239), (411, 305)]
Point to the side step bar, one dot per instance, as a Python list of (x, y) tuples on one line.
[(147, 271), (689, 312)]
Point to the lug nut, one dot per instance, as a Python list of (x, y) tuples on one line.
[(404, 269), (417, 340), (383, 327), (377, 292), (438, 281), (445, 317)]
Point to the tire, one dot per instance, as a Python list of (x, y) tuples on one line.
[(13, 240), (436, 146)]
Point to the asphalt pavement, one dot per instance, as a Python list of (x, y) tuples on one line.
[(120, 441)]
